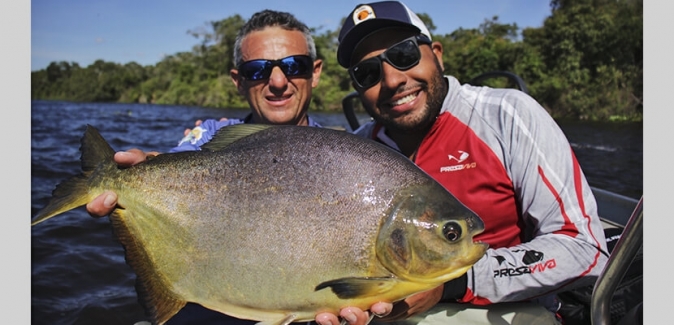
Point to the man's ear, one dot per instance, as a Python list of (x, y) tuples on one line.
[(437, 50), (236, 79), (316, 74)]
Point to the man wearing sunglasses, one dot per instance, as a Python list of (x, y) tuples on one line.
[(276, 71), (496, 150)]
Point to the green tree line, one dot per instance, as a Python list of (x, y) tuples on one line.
[(585, 62)]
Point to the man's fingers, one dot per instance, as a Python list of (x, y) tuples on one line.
[(102, 205), (397, 311), (355, 316), (132, 157), (349, 315), (381, 309), (327, 319)]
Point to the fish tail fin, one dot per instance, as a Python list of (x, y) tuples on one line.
[(76, 191)]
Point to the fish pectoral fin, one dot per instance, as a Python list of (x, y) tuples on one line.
[(347, 288), (283, 321)]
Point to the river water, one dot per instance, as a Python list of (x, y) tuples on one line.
[(78, 273)]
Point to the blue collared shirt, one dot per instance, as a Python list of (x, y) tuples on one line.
[(203, 133)]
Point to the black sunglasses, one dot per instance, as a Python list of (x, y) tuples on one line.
[(402, 56), (292, 66)]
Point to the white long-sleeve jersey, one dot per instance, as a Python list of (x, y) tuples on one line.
[(501, 154)]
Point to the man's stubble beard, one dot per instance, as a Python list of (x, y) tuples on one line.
[(421, 121)]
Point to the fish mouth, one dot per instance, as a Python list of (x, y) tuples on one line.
[(474, 224), (476, 227), (481, 243)]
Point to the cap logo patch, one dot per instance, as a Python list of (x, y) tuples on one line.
[(362, 13)]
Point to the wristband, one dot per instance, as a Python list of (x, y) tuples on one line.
[(455, 289)]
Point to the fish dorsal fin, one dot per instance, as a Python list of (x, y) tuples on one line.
[(95, 150), (229, 134), (153, 291)]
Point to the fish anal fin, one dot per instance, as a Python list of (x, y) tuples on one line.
[(283, 321), (154, 292), (353, 287)]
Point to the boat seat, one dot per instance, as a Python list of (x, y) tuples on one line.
[(634, 317), (627, 298)]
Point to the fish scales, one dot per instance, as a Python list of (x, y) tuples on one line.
[(263, 216), (265, 171)]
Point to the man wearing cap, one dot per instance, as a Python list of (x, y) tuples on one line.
[(496, 150)]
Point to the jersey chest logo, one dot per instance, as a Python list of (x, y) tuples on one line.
[(458, 161)]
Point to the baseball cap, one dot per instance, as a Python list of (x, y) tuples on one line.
[(369, 17)]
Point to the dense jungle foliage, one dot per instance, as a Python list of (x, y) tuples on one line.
[(585, 62)]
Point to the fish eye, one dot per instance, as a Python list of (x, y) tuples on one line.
[(452, 231)]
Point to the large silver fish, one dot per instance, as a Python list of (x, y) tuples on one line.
[(277, 223)]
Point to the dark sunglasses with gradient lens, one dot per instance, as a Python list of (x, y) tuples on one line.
[(402, 56), (292, 66)]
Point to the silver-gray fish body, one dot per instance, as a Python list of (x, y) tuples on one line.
[(254, 227)]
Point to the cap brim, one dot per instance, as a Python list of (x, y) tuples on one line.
[(360, 31)]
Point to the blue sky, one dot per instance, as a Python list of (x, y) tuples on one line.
[(144, 31)]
